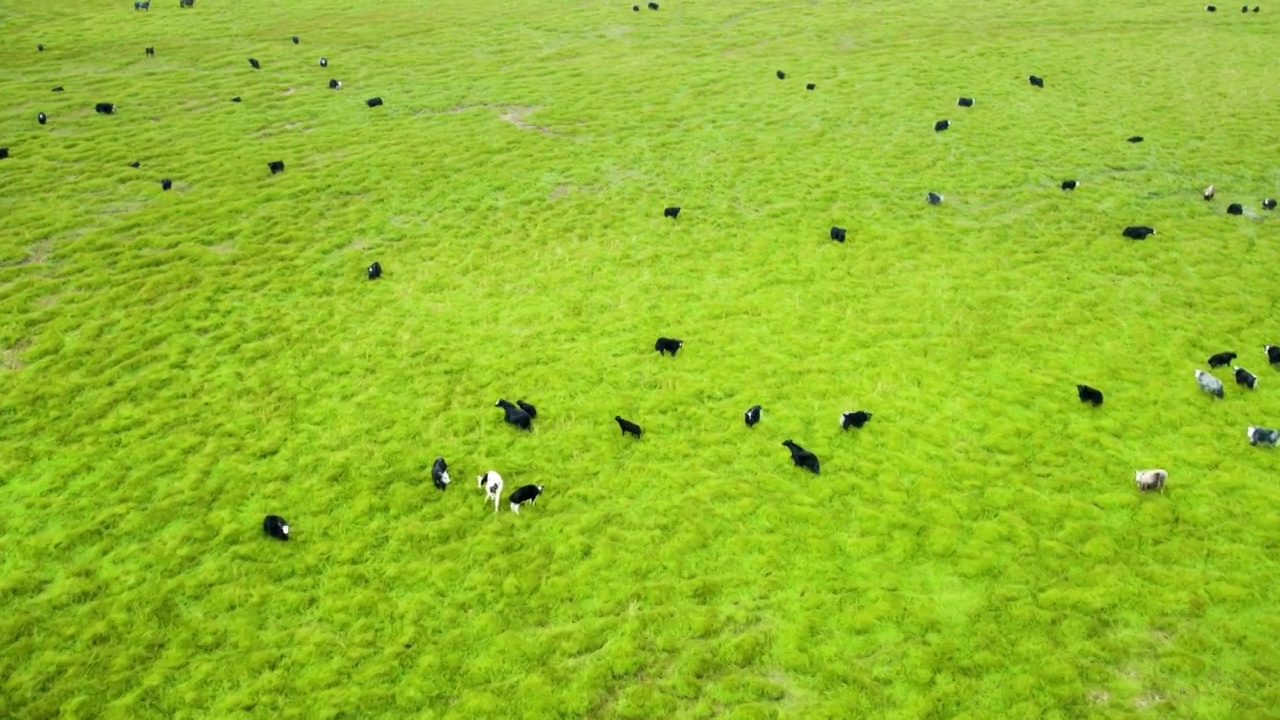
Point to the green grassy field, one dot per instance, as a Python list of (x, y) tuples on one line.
[(174, 366)]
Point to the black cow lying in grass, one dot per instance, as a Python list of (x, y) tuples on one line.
[(802, 458), (514, 415), (628, 427), (666, 345)]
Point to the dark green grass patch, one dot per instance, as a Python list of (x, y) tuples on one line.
[(175, 365)]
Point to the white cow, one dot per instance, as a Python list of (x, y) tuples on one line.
[(491, 483)]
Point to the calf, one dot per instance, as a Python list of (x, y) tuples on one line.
[(256, 65), (524, 494), (374, 272), (276, 526), (1070, 184), (440, 473), (276, 166), (752, 415), (104, 108), (1138, 232), (529, 410), (1036, 80), (1220, 359), (1209, 383), (965, 102), (1235, 209), (151, 51), (672, 212), (666, 345), (513, 415), (941, 125), (854, 419), (373, 102), (491, 484), (1266, 437), (1150, 479), (801, 457), (1246, 378), (837, 233), (628, 427), (1093, 396), (933, 198)]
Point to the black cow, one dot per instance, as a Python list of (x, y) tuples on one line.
[(628, 427), (811, 86), (653, 6), (837, 233), (1273, 354), (1269, 204), (529, 409), (276, 166), (1235, 209), (235, 99), (42, 118), (324, 62), (440, 473), (373, 102), (514, 415), (142, 6), (1093, 396), (781, 75), (335, 85), (1220, 359), (1210, 8), (941, 125), (854, 419), (752, 415), (295, 39), (375, 271), (965, 102), (276, 526), (1136, 139), (165, 184), (635, 8), (802, 458), (1246, 378), (1036, 80), (666, 345), (672, 212), (58, 89), (151, 51), (135, 164), (256, 65), (1070, 184), (40, 47), (524, 494), (1244, 9), (104, 108), (1138, 232), (4, 153), (186, 3)]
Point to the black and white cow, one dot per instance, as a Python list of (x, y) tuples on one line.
[(324, 62), (1070, 184), (1269, 204), (934, 198), (440, 473), (42, 118), (514, 415), (142, 6), (524, 494), (1209, 383), (335, 84), (105, 108), (276, 526), (752, 415), (855, 419), (1267, 437), (374, 271), (491, 484), (1246, 378)]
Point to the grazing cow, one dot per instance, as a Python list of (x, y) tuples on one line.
[(837, 233), (1209, 383), (375, 271), (1136, 139), (235, 99), (752, 415), (4, 153), (491, 484), (165, 184), (42, 118), (256, 65), (1220, 359), (373, 102), (529, 410), (524, 494), (276, 526), (801, 457), (635, 8), (1093, 396), (1208, 193), (666, 345), (672, 212), (811, 86), (440, 473), (142, 6), (1036, 80), (1269, 204), (276, 166), (1138, 232), (1244, 9), (1070, 184), (151, 51), (933, 198), (965, 102), (1265, 437), (324, 62), (335, 85), (1273, 354), (941, 125), (59, 89), (854, 419), (295, 39), (628, 427), (1235, 209), (781, 75), (1210, 8), (514, 415), (1256, 8), (1246, 378), (1150, 479), (653, 6), (104, 108), (40, 47), (135, 164)]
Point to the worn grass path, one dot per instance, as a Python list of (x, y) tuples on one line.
[(176, 365)]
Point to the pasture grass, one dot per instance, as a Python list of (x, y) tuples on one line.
[(177, 365)]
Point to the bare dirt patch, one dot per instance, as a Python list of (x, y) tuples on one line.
[(9, 359), (1099, 697), (1148, 699), (558, 192), (37, 254), (222, 249), (514, 114)]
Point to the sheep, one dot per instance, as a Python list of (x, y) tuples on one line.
[(801, 457), (1150, 479), (513, 415), (491, 484)]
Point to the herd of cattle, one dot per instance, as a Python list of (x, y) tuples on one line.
[(521, 414)]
